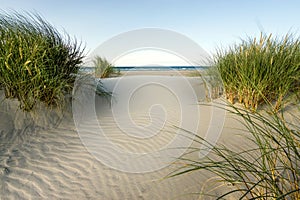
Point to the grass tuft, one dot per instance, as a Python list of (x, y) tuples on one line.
[(37, 62), (104, 69), (260, 70)]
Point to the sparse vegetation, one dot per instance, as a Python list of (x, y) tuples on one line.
[(268, 168), (104, 69)]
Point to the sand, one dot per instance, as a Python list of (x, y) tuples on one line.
[(43, 155)]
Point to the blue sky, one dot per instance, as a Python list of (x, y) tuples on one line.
[(210, 23)]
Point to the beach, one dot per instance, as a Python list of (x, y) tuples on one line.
[(44, 156), (149, 101)]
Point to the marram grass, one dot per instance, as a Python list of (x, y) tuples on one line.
[(104, 69), (260, 70), (268, 169), (37, 62)]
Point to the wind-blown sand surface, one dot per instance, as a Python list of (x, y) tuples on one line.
[(43, 157)]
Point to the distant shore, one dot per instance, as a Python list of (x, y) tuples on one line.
[(189, 73)]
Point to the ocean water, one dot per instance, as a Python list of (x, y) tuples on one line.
[(150, 68)]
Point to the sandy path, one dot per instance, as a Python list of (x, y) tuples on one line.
[(38, 161)]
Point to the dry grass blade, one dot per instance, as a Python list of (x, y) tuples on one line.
[(268, 169)]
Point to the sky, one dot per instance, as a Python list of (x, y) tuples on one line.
[(210, 23)]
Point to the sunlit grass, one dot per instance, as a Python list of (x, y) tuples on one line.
[(37, 62), (104, 69), (259, 70)]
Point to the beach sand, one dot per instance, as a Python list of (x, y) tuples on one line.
[(42, 155)]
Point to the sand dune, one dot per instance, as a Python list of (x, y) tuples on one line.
[(43, 156)]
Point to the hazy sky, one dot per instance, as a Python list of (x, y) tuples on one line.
[(210, 23)]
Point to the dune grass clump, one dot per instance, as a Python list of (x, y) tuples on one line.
[(258, 70), (268, 169), (104, 69), (37, 62)]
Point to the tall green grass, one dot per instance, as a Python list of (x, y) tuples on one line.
[(258, 70), (37, 62), (268, 169), (103, 68)]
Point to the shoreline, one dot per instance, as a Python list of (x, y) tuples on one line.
[(188, 73)]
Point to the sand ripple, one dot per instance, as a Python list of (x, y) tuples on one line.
[(53, 163)]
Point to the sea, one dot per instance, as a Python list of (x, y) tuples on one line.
[(150, 68)]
